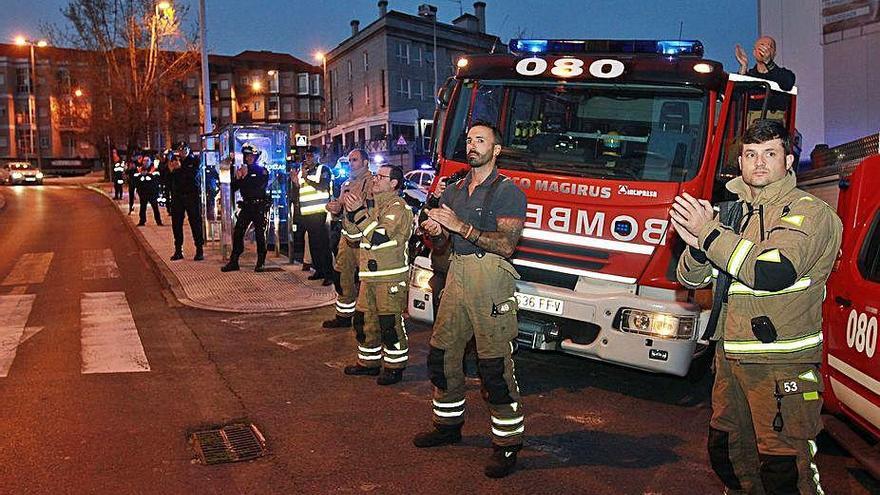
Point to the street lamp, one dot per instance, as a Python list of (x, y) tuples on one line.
[(323, 58), (256, 86), (165, 11), (32, 103), (77, 92)]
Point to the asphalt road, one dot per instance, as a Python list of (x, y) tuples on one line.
[(77, 419)]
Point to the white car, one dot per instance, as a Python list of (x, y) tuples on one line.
[(20, 173), (417, 183)]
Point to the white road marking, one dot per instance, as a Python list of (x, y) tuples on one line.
[(14, 313), (99, 264), (30, 269), (110, 340)]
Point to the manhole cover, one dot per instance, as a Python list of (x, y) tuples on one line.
[(230, 443)]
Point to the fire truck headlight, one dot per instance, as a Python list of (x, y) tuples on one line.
[(703, 68), (461, 63), (659, 325), (420, 278)]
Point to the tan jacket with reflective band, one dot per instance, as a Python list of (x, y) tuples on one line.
[(392, 220)]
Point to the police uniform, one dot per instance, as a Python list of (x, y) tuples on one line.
[(254, 205), (767, 399), (132, 174), (148, 192), (185, 198), (385, 226), (478, 301), (347, 256), (314, 194), (118, 179)]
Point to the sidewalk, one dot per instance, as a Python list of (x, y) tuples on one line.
[(201, 284)]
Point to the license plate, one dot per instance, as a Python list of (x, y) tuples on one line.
[(539, 304)]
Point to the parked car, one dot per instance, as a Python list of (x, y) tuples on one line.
[(417, 183), (20, 173)]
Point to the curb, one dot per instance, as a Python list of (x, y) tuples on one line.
[(2, 202)]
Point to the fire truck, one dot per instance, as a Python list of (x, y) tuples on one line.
[(848, 178), (601, 135)]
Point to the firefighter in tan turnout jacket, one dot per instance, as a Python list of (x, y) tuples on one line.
[(347, 253), (774, 260), (385, 223)]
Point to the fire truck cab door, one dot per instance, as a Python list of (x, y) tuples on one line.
[(852, 305)]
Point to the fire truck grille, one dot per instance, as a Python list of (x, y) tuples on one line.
[(547, 277)]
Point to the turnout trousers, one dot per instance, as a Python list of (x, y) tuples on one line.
[(765, 418), (478, 302), (380, 333), (188, 206), (347, 266)]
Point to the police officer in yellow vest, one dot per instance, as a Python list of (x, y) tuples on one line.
[(385, 223), (347, 253), (483, 216), (772, 256), (314, 194)]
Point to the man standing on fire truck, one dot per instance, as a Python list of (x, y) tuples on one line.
[(482, 215), (773, 251)]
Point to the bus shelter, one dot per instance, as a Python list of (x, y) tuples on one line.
[(222, 153)]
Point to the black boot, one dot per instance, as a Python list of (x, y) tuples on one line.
[(358, 370), (502, 462), (232, 266), (178, 255), (338, 322), (261, 262), (440, 435), (200, 254), (389, 376), (315, 276)]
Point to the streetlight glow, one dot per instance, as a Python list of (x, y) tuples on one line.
[(164, 5), (42, 43), (20, 40), (272, 72), (78, 92), (319, 56), (257, 85)]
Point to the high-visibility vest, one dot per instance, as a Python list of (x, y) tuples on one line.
[(311, 200)]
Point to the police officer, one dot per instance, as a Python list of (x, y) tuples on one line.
[(132, 175), (118, 175), (314, 194), (347, 252), (773, 250), (183, 178), (482, 215), (385, 224), (148, 189), (251, 179)]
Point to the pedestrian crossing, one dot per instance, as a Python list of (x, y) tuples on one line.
[(109, 338)]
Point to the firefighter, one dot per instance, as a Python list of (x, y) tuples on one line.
[(251, 179), (482, 216), (385, 224), (314, 194), (347, 253), (131, 176), (118, 175), (773, 251), (148, 189), (183, 178)]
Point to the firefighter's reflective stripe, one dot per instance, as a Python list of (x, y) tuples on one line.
[(308, 210), (685, 281), (370, 227), (809, 376), (796, 220), (395, 355), (369, 353), (813, 448), (312, 200), (738, 288), (449, 409), (391, 243), (771, 256), (353, 236), (507, 422), (342, 307), (739, 256), (382, 273), (780, 346), (502, 433)]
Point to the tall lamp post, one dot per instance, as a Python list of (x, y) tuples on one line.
[(324, 83), (162, 10), (32, 97)]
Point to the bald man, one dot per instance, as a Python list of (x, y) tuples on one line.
[(765, 68)]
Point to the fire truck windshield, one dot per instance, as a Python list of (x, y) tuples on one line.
[(599, 130)]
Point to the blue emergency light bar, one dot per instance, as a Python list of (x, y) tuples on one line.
[(677, 48)]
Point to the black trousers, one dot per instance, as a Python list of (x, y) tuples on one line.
[(188, 206), (319, 243), (131, 190), (249, 214), (154, 202), (117, 189)]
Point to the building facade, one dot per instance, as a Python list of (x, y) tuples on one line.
[(381, 82)]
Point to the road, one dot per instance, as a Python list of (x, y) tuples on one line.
[(84, 414)]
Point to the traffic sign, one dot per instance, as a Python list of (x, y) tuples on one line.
[(301, 140), (401, 141)]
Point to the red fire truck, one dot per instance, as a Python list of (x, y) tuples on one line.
[(848, 177), (601, 135)]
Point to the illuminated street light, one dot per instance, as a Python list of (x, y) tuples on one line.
[(256, 85), (78, 92), (42, 44), (272, 72), (164, 5), (20, 40), (32, 97)]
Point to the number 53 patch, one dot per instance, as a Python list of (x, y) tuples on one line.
[(808, 384)]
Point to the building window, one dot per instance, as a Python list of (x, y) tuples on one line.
[(304, 106), (302, 84), (224, 84), (44, 142), (417, 55), (287, 108), (350, 69), (316, 84), (335, 107), (403, 52), (23, 141), (256, 106), (43, 112), (403, 87), (3, 112), (333, 78), (366, 61), (316, 107), (191, 82), (419, 90), (245, 80), (4, 142), (2, 79), (366, 95), (70, 145), (273, 109), (22, 81), (273, 81), (224, 112), (350, 100)]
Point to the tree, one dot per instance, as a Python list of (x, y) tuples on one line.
[(135, 59)]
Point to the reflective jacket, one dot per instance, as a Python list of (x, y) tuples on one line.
[(385, 223), (147, 182), (314, 190), (779, 265), (119, 172), (358, 185)]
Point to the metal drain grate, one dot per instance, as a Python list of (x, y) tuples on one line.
[(230, 443)]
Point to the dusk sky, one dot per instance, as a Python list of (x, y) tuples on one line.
[(304, 27)]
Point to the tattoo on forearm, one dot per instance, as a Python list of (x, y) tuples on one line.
[(503, 241)]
